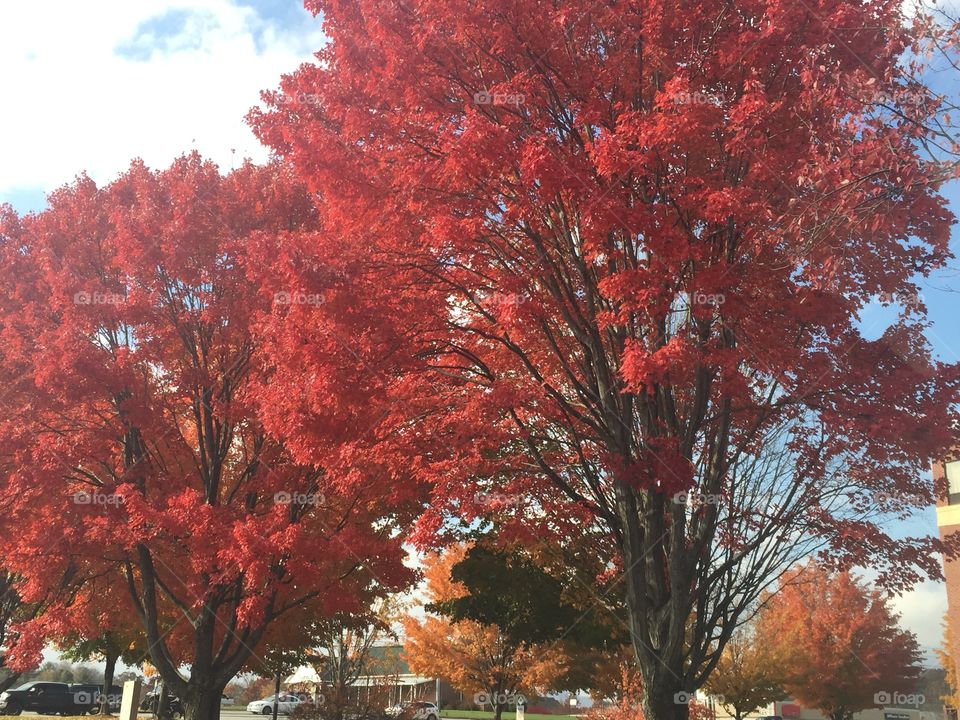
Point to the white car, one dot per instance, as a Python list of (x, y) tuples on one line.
[(265, 707), (415, 710)]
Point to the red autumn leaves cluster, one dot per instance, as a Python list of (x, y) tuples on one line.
[(644, 234), (138, 392), (712, 216)]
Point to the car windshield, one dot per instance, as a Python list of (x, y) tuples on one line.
[(25, 686)]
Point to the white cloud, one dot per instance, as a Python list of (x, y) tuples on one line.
[(921, 611), (89, 87)]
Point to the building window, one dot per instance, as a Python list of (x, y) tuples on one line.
[(952, 471)]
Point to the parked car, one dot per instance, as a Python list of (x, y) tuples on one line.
[(225, 700), (414, 710), (53, 698), (285, 705)]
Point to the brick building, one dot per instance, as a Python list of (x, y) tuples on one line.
[(946, 477)]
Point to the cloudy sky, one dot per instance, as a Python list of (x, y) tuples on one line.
[(89, 86)]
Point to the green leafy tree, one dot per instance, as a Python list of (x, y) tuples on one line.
[(538, 598)]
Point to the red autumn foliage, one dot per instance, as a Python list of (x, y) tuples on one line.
[(635, 240), (135, 456)]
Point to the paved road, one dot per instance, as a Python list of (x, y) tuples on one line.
[(237, 713)]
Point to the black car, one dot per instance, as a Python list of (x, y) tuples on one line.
[(51, 698)]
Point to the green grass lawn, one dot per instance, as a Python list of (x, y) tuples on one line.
[(486, 714)]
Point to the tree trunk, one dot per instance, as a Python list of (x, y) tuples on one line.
[(109, 668), (497, 709), (276, 696), (665, 700), (201, 701), (163, 701)]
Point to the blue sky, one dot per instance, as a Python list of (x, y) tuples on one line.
[(923, 608), (154, 78)]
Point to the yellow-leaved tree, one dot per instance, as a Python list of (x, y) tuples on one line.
[(946, 655), (749, 674)]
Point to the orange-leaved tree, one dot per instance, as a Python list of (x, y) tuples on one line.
[(625, 690), (474, 657), (841, 644)]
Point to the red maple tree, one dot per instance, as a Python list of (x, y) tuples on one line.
[(639, 237), (841, 649), (133, 448)]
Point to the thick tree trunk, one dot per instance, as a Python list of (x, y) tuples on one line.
[(665, 701), (109, 668), (201, 701)]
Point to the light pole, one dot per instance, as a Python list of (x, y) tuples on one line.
[(276, 696)]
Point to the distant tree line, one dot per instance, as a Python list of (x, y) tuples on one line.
[(67, 672)]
